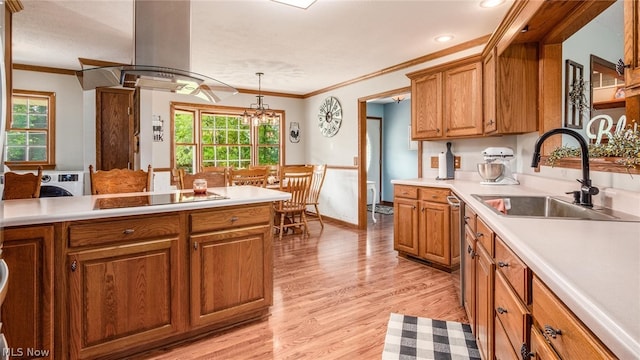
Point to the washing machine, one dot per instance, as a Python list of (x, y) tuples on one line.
[(58, 183), (62, 183)]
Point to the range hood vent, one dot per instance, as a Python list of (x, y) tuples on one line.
[(162, 56)]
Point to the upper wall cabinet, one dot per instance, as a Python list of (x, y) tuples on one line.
[(447, 100), (510, 90), (632, 47)]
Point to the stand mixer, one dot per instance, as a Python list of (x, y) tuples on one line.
[(498, 155)]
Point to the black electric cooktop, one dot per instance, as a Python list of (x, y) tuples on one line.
[(154, 199)]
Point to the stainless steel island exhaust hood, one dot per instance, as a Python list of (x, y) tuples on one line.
[(162, 58)]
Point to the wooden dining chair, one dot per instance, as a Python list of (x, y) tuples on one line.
[(314, 190), (117, 181), (22, 186), (297, 182), (255, 177), (213, 178), (218, 169)]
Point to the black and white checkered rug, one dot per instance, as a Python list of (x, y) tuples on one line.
[(410, 337)]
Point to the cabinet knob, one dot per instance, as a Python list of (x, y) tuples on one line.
[(550, 331), (501, 310), (234, 219), (422, 209), (128, 231), (479, 235), (195, 245), (502, 264), (413, 207), (524, 351), (74, 265), (491, 122)]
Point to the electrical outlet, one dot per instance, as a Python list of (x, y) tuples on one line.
[(435, 162)]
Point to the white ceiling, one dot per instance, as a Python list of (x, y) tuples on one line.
[(300, 51)]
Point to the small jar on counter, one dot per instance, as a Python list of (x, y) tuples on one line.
[(199, 186)]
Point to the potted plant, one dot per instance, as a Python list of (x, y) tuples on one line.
[(623, 148)]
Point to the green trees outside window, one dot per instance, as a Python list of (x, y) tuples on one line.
[(29, 137), (206, 136)]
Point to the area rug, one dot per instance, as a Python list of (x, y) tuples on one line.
[(381, 209), (410, 337)]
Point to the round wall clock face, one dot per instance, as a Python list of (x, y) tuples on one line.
[(330, 116)]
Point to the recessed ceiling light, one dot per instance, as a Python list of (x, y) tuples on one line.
[(443, 38), (490, 3), (302, 4)]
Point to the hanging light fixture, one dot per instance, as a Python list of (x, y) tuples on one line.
[(259, 113)]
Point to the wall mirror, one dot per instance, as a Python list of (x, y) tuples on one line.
[(590, 33), (592, 53)]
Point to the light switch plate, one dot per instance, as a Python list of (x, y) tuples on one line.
[(456, 162)]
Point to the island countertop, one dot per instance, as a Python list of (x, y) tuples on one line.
[(592, 266), (57, 209)]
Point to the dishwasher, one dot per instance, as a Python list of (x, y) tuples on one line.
[(456, 215)]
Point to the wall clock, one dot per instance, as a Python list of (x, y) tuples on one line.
[(330, 116)]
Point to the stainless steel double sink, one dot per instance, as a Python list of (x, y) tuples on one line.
[(548, 207)]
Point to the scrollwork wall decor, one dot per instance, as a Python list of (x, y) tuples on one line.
[(576, 104)]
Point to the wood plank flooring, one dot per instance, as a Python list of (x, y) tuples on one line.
[(333, 293)]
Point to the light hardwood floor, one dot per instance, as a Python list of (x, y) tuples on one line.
[(333, 293)]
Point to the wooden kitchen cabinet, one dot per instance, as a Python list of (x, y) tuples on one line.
[(405, 216), (426, 114), (510, 90), (484, 302), (632, 47), (434, 224), (469, 298), (447, 100), (123, 294), (424, 226), (510, 310), (568, 336), (27, 312), (231, 262), (463, 100)]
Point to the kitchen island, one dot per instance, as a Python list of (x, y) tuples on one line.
[(593, 267), (111, 276)]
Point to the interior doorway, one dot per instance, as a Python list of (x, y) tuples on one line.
[(373, 144), (362, 150)]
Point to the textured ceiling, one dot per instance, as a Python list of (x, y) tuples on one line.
[(300, 51)]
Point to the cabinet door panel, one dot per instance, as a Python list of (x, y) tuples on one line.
[(231, 274), (27, 312), (427, 107), (489, 93), (469, 298), (435, 244), (122, 296), (463, 100), (405, 234), (632, 47), (484, 303)]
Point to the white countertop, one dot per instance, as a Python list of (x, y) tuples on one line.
[(592, 266), (56, 209)]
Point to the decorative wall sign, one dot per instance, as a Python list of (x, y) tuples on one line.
[(575, 99), (158, 128), (294, 132)]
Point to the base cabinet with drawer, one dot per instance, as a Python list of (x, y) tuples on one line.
[(423, 228), (126, 285), (231, 262), (512, 313), (123, 284)]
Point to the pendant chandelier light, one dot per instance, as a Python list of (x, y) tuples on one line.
[(259, 113)]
